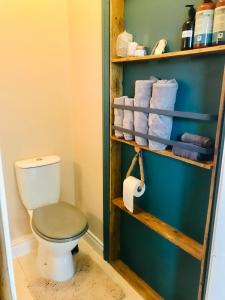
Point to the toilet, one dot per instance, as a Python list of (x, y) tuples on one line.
[(58, 226)]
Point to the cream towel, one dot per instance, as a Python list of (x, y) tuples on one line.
[(118, 116), (143, 91), (128, 119), (163, 97)]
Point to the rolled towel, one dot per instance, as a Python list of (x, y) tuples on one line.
[(143, 91), (128, 119), (197, 140), (190, 154), (118, 116), (163, 97)]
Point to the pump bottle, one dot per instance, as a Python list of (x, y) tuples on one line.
[(204, 24), (188, 30), (219, 23)]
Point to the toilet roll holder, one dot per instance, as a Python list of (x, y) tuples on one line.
[(138, 158)]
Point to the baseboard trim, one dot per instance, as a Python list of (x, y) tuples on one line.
[(94, 242), (24, 245)]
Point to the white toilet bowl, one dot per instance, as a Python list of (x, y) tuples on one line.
[(58, 226), (55, 260), (55, 243)]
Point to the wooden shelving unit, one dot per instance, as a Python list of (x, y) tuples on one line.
[(168, 232), (168, 153), (179, 239), (194, 52)]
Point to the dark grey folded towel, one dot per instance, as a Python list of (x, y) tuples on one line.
[(189, 154), (197, 140)]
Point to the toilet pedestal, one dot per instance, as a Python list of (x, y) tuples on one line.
[(55, 260)]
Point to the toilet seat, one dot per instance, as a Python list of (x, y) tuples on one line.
[(59, 222)]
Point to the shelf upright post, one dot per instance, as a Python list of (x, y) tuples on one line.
[(116, 90), (212, 186)]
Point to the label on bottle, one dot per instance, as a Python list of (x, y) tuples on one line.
[(219, 25), (204, 27), (187, 34)]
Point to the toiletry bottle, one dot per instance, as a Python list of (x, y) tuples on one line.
[(188, 30), (204, 24), (219, 23)]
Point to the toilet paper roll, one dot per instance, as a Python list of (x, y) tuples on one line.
[(131, 186)]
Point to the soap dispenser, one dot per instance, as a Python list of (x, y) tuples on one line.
[(219, 23), (188, 30), (204, 24)]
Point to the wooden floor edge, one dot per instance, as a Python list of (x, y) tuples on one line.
[(140, 286)]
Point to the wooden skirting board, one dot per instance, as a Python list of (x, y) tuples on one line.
[(168, 232)]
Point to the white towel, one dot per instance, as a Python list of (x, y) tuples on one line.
[(118, 116), (143, 91), (128, 119), (163, 97)]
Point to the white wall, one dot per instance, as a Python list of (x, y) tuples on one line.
[(7, 282), (34, 93), (215, 287)]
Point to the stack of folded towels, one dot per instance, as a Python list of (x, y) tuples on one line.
[(196, 140), (153, 93), (156, 94), (124, 118)]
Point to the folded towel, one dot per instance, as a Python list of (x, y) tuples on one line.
[(190, 154), (128, 119), (143, 91), (118, 116), (197, 140), (163, 97)]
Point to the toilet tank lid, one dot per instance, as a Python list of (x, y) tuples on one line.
[(37, 162)]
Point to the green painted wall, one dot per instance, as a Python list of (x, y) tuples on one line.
[(176, 192)]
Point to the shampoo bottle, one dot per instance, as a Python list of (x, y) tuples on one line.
[(219, 23), (204, 24), (188, 30)]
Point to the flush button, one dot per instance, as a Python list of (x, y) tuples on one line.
[(38, 159)]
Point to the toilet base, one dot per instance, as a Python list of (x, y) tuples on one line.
[(55, 260)]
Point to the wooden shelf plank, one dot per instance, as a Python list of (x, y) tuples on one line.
[(138, 284), (168, 232), (167, 153), (193, 52)]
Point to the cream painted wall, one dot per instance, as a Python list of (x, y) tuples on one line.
[(85, 25), (50, 71), (34, 93)]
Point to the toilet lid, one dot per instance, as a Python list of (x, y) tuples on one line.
[(59, 221)]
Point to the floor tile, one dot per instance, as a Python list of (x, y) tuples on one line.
[(21, 283), (28, 265), (25, 270)]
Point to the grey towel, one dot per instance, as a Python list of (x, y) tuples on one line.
[(118, 116), (143, 91), (128, 119), (163, 97), (197, 140), (189, 154)]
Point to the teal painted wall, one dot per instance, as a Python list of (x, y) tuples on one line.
[(176, 193)]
